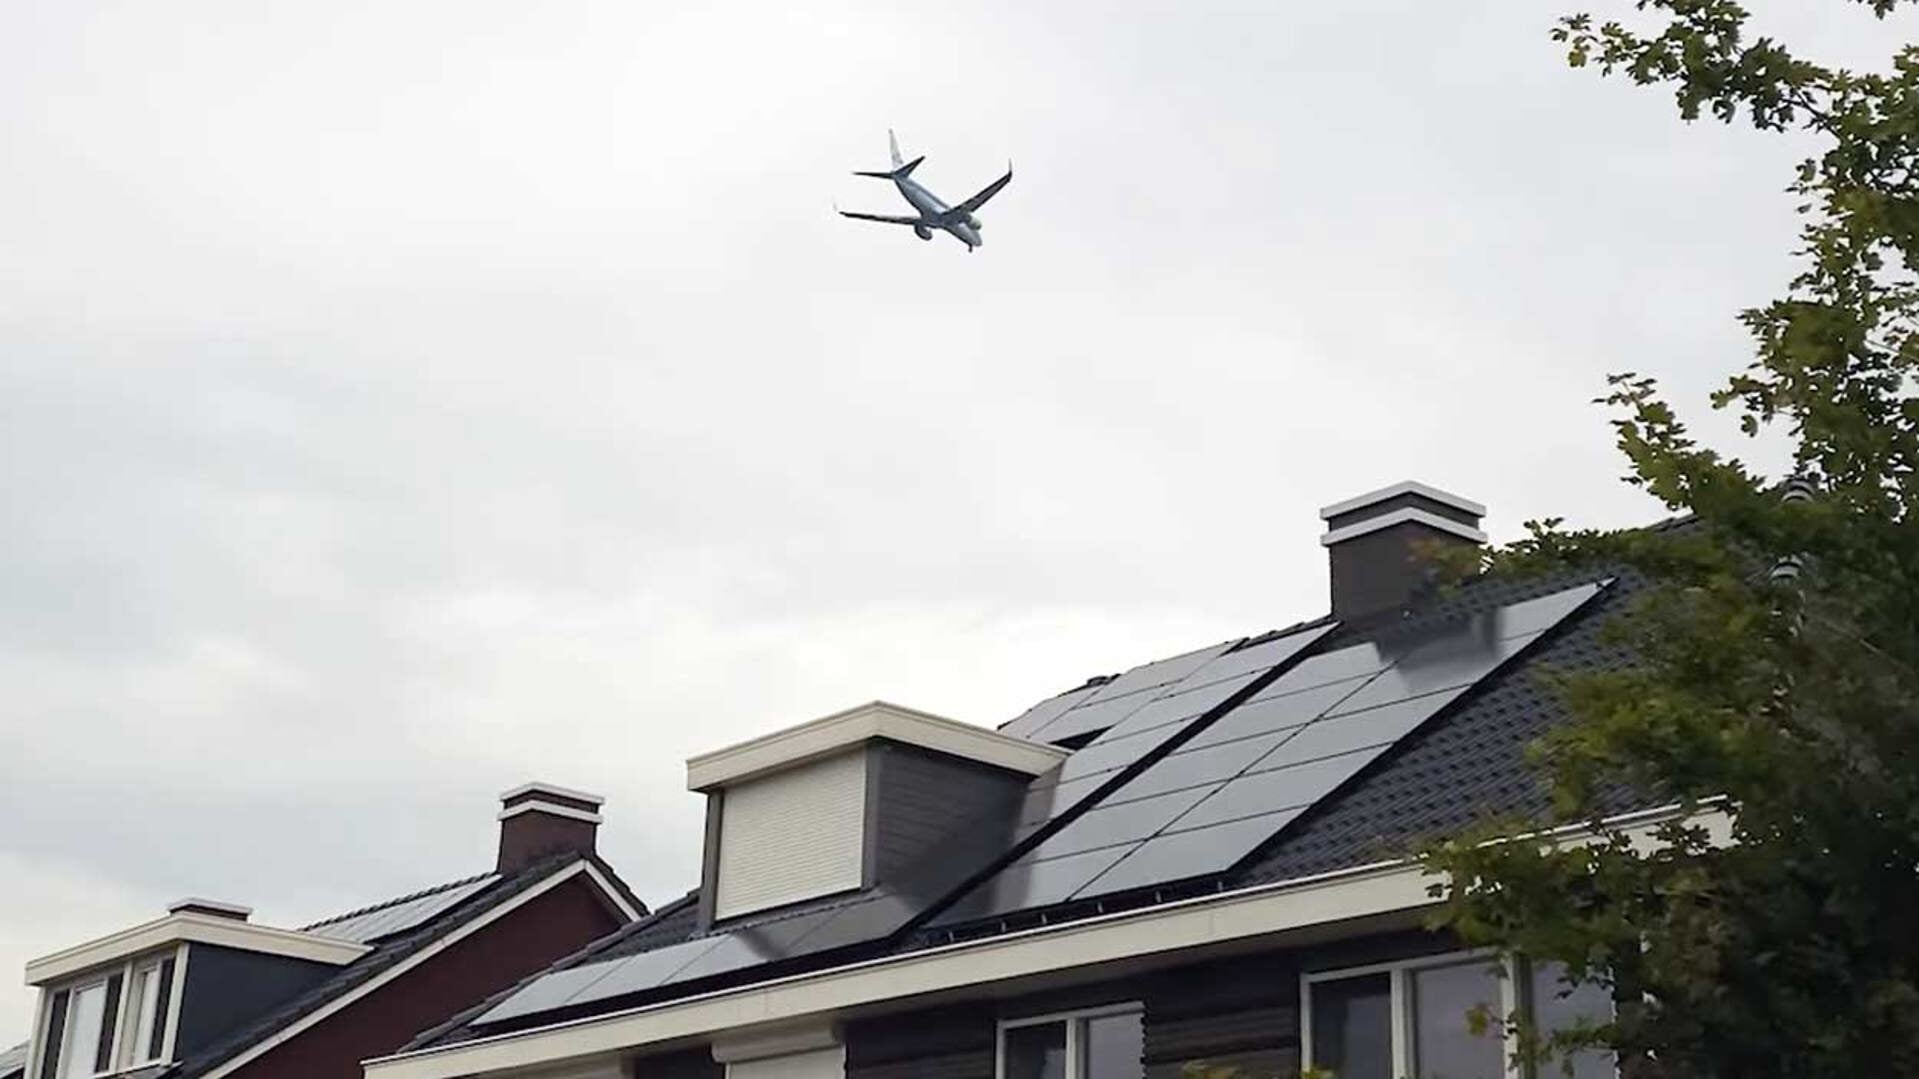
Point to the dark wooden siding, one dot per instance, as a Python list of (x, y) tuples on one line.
[(917, 799), (553, 924), (1201, 1019), (226, 988), (948, 1043), (686, 1064), (1242, 1014)]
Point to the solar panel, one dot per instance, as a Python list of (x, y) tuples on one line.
[(1046, 711), (871, 917), (1176, 856), (398, 917), (1081, 779), (548, 991), (1093, 769), (615, 977), (1248, 774), (1034, 883), (1159, 672), (1416, 678), (1109, 825), (1288, 787), (1113, 701), (1267, 714)]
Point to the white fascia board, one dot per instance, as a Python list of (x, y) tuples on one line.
[(551, 809), (779, 1042), (399, 970), (188, 927), (843, 730), (1266, 913), (1404, 487), (210, 906), (1407, 514)]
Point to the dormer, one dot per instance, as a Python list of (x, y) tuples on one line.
[(846, 802), (150, 994)]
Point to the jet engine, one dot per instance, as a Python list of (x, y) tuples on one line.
[(974, 221), (922, 232)]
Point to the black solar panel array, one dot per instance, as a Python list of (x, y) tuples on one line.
[(1239, 782)]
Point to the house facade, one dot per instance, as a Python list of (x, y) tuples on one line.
[(1195, 868), (206, 993)]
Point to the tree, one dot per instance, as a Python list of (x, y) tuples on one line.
[(1775, 638)]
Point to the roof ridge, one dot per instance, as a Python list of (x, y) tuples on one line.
[(397, 900)]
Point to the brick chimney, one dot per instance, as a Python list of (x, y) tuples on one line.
[(1374, 545), (538, 819)]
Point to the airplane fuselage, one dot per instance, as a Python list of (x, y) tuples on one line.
[(933, 212)]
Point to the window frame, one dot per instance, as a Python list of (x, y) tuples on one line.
[(139, 1049), (99, 979), (124, 1054), (1075, 1038), (1399, 974), (1515, 983)]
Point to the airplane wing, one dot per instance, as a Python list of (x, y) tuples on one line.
[(988, 192), (886, 218)]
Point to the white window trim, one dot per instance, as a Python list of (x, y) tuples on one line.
[(98, 979), (130, 1055), (171, 1035), (122, 1056), (1400, 1005), (1075, 1049)]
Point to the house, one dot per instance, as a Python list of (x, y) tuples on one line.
[(207, 993), (1194, 868)]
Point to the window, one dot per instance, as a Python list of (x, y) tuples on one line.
[(1558, 1006), (790, 836), (1411, 1018), (110, 1022), (151, 993), (1105, 1044), (80, 1029)]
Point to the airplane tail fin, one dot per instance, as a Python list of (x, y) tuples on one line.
[(893, 143), (898, 171)]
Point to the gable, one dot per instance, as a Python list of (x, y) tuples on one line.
[(558, 921)]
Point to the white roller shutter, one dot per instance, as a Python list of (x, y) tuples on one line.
[(792, 835), (820, 1064)]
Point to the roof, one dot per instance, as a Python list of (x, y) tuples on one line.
[(397, 930), (13, 1061), (1453, 699), (368, 924)]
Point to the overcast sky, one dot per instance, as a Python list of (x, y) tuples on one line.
[(399, 401)]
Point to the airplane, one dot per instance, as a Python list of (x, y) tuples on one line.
[(933, 214)]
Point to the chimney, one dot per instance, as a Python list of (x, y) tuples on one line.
[(1374, 545), (538, 819), (211, 908)]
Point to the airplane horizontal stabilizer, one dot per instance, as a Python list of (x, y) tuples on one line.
[(903, 170)]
